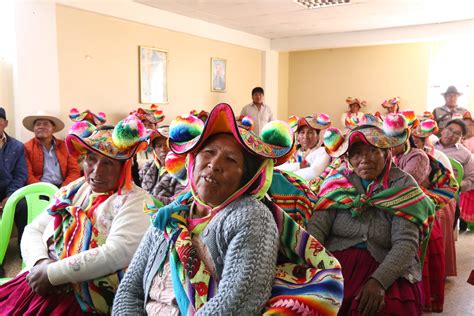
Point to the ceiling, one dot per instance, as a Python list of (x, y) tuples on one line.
[(276, 19)]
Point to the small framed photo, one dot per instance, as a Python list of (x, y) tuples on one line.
[(218, 73), (153, 74)]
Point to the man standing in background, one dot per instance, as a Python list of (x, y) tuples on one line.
[(450, 110), (13, 169), (260, 113)]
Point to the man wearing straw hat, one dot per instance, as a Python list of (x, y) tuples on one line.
[(450, 110), (47, 159)]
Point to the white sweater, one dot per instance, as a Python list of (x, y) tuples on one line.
[(121, 218), (318, 160)]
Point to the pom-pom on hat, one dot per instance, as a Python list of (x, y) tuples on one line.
[(351, 121), (184, 138), (246, 122), (121, 142), (185, 128), (410, 118), (393, 132), (82, 129), (332, 139), (176, 166), (425, 129), (293, 122), (153, 114), (95, 119)]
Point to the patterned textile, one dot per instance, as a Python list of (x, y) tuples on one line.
[(336, 164), (337, 192), (74, 232), (293, 196), (308, 281), (443, 185)]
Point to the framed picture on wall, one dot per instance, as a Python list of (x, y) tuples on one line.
[(153, 68), (218, 72)]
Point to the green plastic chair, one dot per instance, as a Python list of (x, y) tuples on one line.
[(459, 174), (458, 170), (36, 205)]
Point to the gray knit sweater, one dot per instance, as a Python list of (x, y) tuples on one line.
[(392, 240), (243, 242)]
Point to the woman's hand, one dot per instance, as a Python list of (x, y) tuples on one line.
[(371, 298), (38, 278)]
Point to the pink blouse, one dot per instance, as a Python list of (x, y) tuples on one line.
[(417, 164), (469, 144)]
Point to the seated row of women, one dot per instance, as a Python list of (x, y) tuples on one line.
[(242, 237)]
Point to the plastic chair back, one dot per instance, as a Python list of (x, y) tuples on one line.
[(458, 170), (33, 194)]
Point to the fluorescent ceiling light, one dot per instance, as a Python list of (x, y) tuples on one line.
[(315, 4)]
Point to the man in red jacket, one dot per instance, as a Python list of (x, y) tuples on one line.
[(47, 159)]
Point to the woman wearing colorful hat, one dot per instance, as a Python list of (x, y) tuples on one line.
[(150, 118), (446, 215), (354, 112), (468, 140), (95, 119), (391, 105), (449, 143), (77, 250), (154, 177), (310, 159), (373, 217), (441, 186), (213, 251)]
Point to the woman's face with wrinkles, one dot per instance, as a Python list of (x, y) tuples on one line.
[(218, 169), (368, 161)]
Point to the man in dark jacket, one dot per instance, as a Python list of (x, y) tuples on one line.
[(13, 169)]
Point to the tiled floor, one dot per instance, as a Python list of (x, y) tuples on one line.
[(459, 300)]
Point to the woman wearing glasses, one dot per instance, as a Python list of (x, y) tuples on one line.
[(449, 143)]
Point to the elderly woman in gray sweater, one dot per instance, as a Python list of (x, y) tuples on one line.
[(213, 251), (372, 217)]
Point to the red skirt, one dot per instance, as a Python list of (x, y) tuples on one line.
[(402, 298), (17, 299), (445, 217), (434, 271), (467, 206)]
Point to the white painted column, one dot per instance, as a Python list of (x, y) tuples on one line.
[(270, 79), (35, 65)]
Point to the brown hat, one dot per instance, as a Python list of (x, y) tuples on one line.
[(451, 89)]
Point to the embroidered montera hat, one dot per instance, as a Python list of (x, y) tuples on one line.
[(95, 119), (393, 132), (425, 129), (319, 122), (188, 133), (351, 100), (153, 114), (391, 103), (121, 142)]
